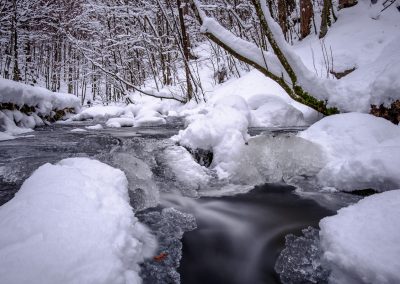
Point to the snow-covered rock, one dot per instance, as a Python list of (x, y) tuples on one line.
[(272, 110), (221, 129), (363, 151), (42, 103), (95, 127), (72, 223), (99, 113), (43, 100), (118, 122), (361, 242)]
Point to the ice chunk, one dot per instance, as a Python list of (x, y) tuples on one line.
[(300, 261), (169, 226)]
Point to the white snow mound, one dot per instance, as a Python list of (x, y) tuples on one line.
[(72, 223), (363, 151), (361, 242)]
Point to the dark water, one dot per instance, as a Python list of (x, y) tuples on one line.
[(239, 237)]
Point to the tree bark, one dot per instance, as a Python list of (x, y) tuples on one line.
[(347, 3), (306, 15), (186, 49)]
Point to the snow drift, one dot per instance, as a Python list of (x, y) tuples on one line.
[(361, 241), (363, 151), (72, 223)]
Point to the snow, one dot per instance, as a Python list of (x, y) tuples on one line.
[(370, 44), (45, 102), (221, 129), (14, 122), (95, 127), (363, 151), (271, 110), (42, 99), (144, 114), (118, 122), (185, 168), (360, 243), (72, 223), (99, 113)]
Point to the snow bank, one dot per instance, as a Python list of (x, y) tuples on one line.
[(363, 151), (361, 242), (43, 104), (72, 223), (42, 99)]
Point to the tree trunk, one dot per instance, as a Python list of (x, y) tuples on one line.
[(185, 47), (347, 3), (325, 18), (306, 15), (16, 71)]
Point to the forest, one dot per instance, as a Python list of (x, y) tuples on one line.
[(199, 141)]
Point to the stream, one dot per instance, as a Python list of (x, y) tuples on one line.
[(233, 239)]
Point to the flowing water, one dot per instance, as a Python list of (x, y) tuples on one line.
[(231, 239)]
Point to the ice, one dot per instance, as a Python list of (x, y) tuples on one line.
[(169, 226), (72, 223), (78, 130), (145, 192), (4, 136), (361, 242), (300, 261), (274, 159)]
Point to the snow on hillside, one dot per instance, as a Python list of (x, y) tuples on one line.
[(365, 39), (72, 223), (43, 103), (360, 243)]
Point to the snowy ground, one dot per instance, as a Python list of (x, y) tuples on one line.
[(89, 233)]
